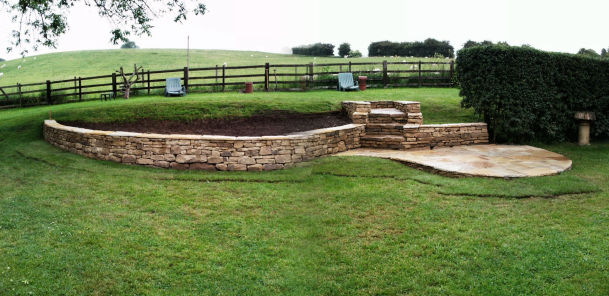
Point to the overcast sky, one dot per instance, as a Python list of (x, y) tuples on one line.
[(277, 25)]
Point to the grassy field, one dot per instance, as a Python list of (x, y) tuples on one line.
[(338, 225), (66, 65)]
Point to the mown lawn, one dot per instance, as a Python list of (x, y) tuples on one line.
[(350, 225)]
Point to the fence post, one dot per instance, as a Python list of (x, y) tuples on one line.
[(385, 77), (216, 86), (311, 74), (49, 92), (452, 71), (79, 89), (75, 86), (148, 81), (419, 73), (350, 67), (19, 90), (267, 68), (114, 91), (223, 76), (186, 79)]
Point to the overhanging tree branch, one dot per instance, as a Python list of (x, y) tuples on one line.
[(42, 22)]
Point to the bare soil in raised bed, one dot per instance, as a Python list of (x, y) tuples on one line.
[(268, 124)]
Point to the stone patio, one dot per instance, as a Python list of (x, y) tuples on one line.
[(499, 161)]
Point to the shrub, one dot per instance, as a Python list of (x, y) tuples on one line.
[(525, 94), (129, 44), (344, 50), (355, 54), (317, 49), (2, 60), (428, 48)]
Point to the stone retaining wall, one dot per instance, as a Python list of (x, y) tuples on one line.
[(437, 135), (204, 152), (269, 152)]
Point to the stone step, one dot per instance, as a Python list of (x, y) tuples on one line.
[(387, 115), (385, 129), (382, 141)]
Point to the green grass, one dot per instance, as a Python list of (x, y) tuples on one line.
[(67, 65), (338, 225)]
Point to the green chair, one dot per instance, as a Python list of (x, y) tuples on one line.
[(173, 86), (346, 82)]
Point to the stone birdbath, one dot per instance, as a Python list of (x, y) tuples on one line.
[(584, 118)]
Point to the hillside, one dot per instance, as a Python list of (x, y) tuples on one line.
[(65, 65)]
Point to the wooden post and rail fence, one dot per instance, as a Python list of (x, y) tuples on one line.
[(282, 76)]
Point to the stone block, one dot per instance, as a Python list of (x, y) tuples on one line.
[(203, 166), (186, 158), (179, 166), (237, 167), (254, 167), (246, 160), (129, 159), (283, 158), (215, 159), (144, 161)]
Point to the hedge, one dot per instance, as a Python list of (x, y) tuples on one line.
[(317, 50), (526, 94), (428, 48)]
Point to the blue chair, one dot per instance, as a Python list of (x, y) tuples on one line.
[(173, 86), (346, 82)]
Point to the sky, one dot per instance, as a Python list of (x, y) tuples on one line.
[(278, 25)]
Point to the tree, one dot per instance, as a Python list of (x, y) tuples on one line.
[(344, 50), (41, 22), (129, 44), (471, 43), (2, 60), (355, 54), (588, 52), (604, 53), (128, 82)]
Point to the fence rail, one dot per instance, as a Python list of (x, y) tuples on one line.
[(273, 77)]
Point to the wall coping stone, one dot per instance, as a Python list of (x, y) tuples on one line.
[(454, 124), (298, 135), (356, 102)]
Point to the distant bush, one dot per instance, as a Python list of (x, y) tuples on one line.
[(526, 94), (344, 50), (428, 48), (317, 49), (129, 44), (2, 60), (355, 54)]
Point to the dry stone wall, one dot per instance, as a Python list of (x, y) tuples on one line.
[(204, 152), (441, 135), (377, 124)]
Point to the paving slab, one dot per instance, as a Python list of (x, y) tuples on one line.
[(499, 161), (387, 111)]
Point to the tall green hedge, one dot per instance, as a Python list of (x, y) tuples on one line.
[(428, 48), (317, 50), (525, 94)]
